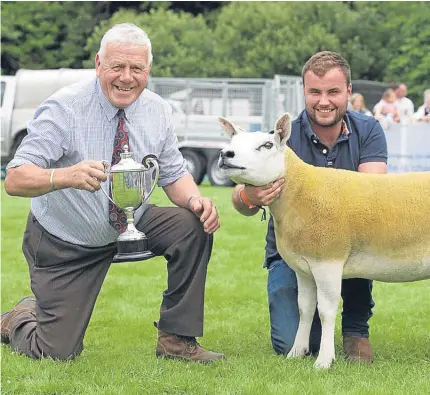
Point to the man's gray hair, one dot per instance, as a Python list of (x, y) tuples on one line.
[(125, 33)]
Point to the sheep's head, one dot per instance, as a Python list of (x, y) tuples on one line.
[(255, 158)]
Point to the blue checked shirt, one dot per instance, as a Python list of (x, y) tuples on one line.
[(78, 123)]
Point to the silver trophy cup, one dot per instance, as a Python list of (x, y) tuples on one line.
[(126, 184)]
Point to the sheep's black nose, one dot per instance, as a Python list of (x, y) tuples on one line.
[(227, 154)]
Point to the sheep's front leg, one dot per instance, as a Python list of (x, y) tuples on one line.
[(307, 301), (328, 279)]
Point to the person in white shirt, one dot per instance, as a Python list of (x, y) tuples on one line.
[(404, 104), (423, 112)]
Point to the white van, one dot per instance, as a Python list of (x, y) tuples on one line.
[(22, 94)]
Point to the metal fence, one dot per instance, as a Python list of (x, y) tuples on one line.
[(408, 148), (254, 103), (287, 96), (226, 97)]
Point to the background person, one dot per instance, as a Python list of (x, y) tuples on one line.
[(386, 110), (325, 134), (71, 235), (357, 104), (423, 112), (404, 104)]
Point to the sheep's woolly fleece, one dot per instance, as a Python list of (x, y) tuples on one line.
[(332, 213)]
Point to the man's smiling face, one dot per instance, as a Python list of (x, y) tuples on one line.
[(123, 72), (326, 97)]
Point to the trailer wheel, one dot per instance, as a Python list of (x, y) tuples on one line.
[(216, 175), (196, 165)]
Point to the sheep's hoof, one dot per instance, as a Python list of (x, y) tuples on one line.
[(323, 363), (298, 352)]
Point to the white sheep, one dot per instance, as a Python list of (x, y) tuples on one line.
[(332, 224)]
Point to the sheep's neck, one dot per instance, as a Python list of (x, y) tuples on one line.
[(294, 169)]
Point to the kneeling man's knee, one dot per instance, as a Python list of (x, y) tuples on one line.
[(62, 352), (193, 227), (282, 346)]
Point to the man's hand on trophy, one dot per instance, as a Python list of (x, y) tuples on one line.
[(206, 210), (86, 175)]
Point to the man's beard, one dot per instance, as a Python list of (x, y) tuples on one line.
[(336, 119)]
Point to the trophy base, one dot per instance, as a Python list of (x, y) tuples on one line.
[(132, 250), (132, 257)]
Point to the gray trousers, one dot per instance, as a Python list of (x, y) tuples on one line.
[(66, 280)]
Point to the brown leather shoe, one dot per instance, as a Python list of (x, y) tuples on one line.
[(25, 305), (187, 348), (357, 349)]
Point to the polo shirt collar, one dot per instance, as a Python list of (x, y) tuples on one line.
[(110, 110), (306, 125)]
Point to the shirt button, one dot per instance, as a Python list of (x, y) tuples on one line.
[(324, 151)]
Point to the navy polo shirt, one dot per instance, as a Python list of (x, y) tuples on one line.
[(365, 143)]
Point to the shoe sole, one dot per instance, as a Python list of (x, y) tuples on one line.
[(178, 358), (5, 338), (359, 360)]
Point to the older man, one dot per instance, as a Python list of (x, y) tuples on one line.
[(71, 233), (404, 104)]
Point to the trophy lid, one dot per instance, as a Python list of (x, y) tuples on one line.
[(127, 163)]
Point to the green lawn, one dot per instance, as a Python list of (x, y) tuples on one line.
[(119, 355)]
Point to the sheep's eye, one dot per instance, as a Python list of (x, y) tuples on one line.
[(266, 145)]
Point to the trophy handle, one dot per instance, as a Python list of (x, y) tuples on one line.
[(151, 161), (106, 165)]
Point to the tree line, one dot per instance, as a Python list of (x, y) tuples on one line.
[(383, 41)]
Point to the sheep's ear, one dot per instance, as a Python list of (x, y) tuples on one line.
[(283, 129), (229, 127)]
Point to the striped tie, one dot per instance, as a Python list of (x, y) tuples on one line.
[(117, 218)]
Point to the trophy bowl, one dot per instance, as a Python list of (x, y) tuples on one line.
[(126, 186)]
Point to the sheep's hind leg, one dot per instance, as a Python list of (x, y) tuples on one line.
[(307, 301), (328, 278)]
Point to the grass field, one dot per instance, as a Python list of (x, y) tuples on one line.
[(119, 355)]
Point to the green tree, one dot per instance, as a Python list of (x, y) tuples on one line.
[(41, 35), (260, 39), (382, 41), (410, 47), (182, 43)]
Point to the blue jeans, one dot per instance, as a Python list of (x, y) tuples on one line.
[(284, 311)]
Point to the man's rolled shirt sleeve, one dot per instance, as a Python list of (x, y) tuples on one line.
[(47, 140)]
